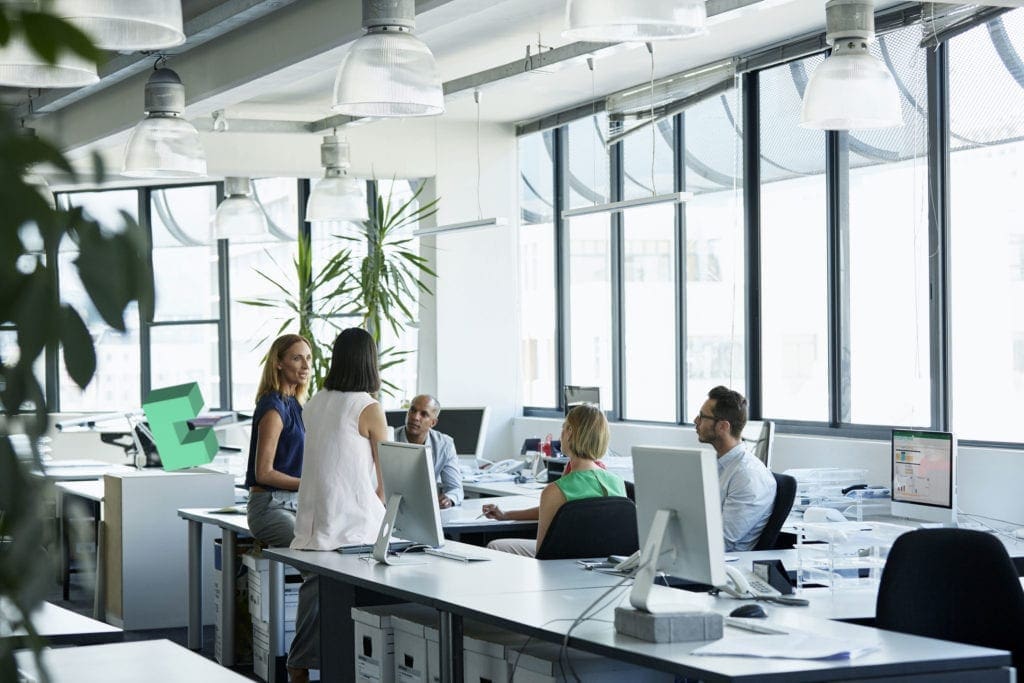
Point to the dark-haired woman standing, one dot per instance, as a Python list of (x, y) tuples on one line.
[(341, 498)]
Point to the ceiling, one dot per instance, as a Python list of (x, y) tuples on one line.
[(276, 60)]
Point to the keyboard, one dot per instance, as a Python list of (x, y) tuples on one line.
[(461, 557)]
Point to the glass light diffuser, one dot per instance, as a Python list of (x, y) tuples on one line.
[(337, 198), (851, 90), (239, 218), (616, 21), (21, 67), (126, 25), (388, 72)]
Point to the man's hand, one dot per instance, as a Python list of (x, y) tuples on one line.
[(444, 501), (493, 512)]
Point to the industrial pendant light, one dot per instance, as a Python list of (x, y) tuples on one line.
[(616, 21), (239, 218), (164, 145), (126, 25), (388, 71), (851, 89), (337, 197), (21, 67)]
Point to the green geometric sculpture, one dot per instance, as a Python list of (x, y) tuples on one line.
[(168, 411)]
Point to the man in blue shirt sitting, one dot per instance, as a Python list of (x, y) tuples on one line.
[(746, 485), (419, 429)]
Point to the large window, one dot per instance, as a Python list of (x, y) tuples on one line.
[(537, 311), (986, 176), (861, 293), (116, 385), (794, 253)]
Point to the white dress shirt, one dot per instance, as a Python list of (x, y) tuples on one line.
[(748, 495)]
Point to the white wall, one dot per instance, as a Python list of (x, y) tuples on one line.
[(477, 330)]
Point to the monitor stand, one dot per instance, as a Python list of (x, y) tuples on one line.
[(387, 525), (671, 616)]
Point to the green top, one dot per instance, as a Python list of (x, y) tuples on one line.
[(594, 483)]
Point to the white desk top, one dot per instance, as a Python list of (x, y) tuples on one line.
[(144, 660), (90, 489), (61, 626)]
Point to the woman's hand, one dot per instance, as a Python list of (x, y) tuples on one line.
[(493, 512)]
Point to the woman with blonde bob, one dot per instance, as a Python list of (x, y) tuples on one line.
[(585, 440)]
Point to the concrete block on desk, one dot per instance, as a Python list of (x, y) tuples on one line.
[(672, 627)]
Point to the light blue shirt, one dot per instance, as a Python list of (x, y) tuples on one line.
[(748, 495), (446, 462)]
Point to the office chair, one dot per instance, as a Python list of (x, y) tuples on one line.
[(785, 492), (953, 584), (630, 490), (592, 527)]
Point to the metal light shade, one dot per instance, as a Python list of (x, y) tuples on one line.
[(851, 90), (126, 25), (164, 145), (239, 218), (388, 73), (21, 67), (616, 21)]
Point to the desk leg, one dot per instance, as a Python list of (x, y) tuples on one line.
[(276, 619), (195, 585), (65, 552), (228, 572), (449, 638)]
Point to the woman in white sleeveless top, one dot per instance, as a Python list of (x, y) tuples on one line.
[(340, 497)]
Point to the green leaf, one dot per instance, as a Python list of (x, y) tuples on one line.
[(49, 36), (5, 35), (79, 354)]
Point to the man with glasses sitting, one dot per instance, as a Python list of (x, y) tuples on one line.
[(746, 485)]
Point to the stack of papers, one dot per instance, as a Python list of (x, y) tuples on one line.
[(786, 646)]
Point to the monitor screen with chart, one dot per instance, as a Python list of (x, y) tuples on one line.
[(923, 475)]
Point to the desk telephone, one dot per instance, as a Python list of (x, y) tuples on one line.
[(508, 466), (741, 584)]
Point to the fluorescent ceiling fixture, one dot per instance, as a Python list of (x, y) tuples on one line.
[(21, 67), (337, 197), (164, 145), (388, 72), (612, 207), (616, 21), (126, 25), (239, 218), (851, 89), (467, 225)]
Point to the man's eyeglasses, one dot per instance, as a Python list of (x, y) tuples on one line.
[(702, 416)]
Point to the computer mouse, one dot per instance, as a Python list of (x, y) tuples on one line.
[(752, 611)]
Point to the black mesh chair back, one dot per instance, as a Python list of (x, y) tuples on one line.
[(592, 527), (953, 584), (785, 492)]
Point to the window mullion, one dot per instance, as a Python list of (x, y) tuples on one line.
[(616, 251), (679, 176), (751, 104), (937, 65), (837, 179)]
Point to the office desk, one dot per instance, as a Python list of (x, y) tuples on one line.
[(456, 521), (145, 660), (504, 488), (541, 599), (61, 626), (89, 493)]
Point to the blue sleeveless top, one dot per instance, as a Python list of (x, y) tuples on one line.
[(288, 456)]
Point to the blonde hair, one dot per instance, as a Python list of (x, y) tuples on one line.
[(587, 435), (270, 380)]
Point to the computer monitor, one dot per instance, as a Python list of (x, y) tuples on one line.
[(411, 492), (924, 475), (679, 520), (577, 396), (466, 426)]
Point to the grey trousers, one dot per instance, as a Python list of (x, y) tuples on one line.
[(271, 516), (527, 547)]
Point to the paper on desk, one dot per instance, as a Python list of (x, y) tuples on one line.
[(788, 646)]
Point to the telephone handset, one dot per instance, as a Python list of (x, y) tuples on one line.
[(509, 466), (747, 585)]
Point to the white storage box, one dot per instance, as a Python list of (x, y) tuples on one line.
[(374, 644), (416, 647), (259, 587), (487, 651)]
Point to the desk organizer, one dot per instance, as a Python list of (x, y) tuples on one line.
[(844, 554)]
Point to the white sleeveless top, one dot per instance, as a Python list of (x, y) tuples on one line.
[(337, 500)]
